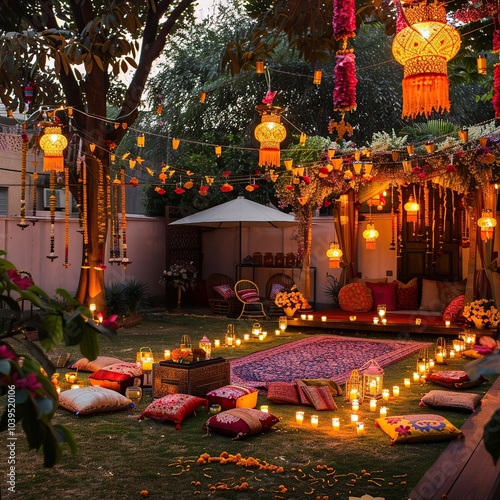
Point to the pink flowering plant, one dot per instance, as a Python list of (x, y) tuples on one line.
[(25, 371)]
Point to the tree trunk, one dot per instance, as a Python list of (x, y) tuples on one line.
[(305, 274)]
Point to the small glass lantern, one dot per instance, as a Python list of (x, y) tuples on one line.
[(354, 387), (134, 392), (256, 329), (458, 347), (282, 323), (468, 338), (206, 345), (423, 362), (441, 351), (185, 342), (373, 379), (230, 337)]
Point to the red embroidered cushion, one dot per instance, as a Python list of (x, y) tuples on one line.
[(320, 397), (383, 293), (454, 308), (173, 407), (225, 291), (116, 377), (407, 294), (240, 423), (283, 392), (233, 396), (355, 297), (249, 295)]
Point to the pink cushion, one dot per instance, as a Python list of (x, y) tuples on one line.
[(249, 295), (407, 294), (174, 407), (454, 308), (383, 293), (240, 423), (225, 291), (283, 392), (355, 297)]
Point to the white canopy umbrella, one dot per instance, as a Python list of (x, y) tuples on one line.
[(238, 213)]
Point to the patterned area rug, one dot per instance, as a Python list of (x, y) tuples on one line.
[(320, 356)]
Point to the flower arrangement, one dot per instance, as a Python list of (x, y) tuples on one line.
[(292, 299), (482, 312), (180, 275)]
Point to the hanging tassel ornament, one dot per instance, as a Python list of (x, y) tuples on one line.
[(66, 218), (125, 260), (35, 179), (24, 152), (52, 204)]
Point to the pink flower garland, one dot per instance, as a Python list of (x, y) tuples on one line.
[(344, 19), (496, 90), (344, 93)]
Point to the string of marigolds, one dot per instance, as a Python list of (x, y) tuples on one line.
[(35, 179), (66, 218), (24, 152), (84, 217), (52, 204), (125, 260)]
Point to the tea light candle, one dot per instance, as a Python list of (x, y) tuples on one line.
[(431, 364), (354, 418), (447, 323), (277, 332), (439, 357), (355, 405), (261, 336), (336, 423), (303, 316), (323, 318), (166, 353), (246, 336), (58, 390), (314, 421), (75, 386), (299, 417), (383, 411), (353, 394), (452, 353), (407, 382), (385, 394), (360, 429), (352, 318), (395, 391), (384, 321), (373, 404), (310, 317), (216, 343), (237, 342), (375, 320), (416, 377), (418, 321), (264, 408)]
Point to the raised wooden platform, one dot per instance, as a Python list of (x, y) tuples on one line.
[(465, 470)]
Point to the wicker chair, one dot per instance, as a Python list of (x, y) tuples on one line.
[(250, 309), (276, 279), (219, 305)]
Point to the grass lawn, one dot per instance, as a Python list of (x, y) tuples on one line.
[(118, 456)]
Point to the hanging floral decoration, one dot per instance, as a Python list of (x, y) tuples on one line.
[(496, 69)]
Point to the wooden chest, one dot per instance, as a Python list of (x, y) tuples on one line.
[(192, 378)]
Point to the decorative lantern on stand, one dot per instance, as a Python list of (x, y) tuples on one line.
[(441, 351), (354, 387), (256, 329), (230, 337), (206, 345), (373, 380)]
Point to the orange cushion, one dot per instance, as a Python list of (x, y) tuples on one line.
[(355, 297)]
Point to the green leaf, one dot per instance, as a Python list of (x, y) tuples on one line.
[(491, 436), (65, 436), (45, 405), (89, 345)]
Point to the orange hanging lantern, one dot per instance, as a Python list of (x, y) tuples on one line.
[(334, 253), (270, 133), (412, 208), (487, 223), (370, 234), (53, 144), (423, 47)]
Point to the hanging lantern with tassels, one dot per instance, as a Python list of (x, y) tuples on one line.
[(423, 45), (412, 208), (334, 253), (487, 223), (370, 234), (53, 144), (270, 133)]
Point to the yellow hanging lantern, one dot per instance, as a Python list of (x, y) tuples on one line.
[(334, 253), (487, 223), (270, 133), (370, 234), (53, 144), (412, 208), (424, 47)]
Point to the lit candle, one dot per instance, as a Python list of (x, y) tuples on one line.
[(335, 423), (237, 342), (310, 317), (303, 316), (375, 320), (147, 364), (58, 390), (71, 378), (261, 336), (166, 353), (323, 318), (354, 418), (452, 353), (216, 343), (314, 421), (264, 408), (416, 377), (373, 404), (246, 336), (277, 332), (355, 405), (395, 391), (384, 321), (385, 394), (439, 357), (299, 417), (360, 429), (352, 318), (447, 323), (418, 321), (353, 394), (373, 387), (383, 411), (421, 368), (407, 382), (75, 386)]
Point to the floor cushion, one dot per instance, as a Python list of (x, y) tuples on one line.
[(240, 423), (320, 397), (355, 297), (283, 392), (466, 401), (174, 408), (383, 293), (454, 308), (86, 365), (233, 396), (335, 389), (116, 377), (454, 379), (88, 400), (407, 295), (418, 428)]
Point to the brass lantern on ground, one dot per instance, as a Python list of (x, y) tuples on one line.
[(53, 144), (373, 380), (270, 133)]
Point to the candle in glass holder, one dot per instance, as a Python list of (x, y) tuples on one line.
[(383, 411), (166, 353), (310, 317), (385, 394), (416, 377), (373, 404), (452, 353), (439, 357), (375, 320), (323, 318), (264, 408), (216, 343), (354, 418), (384, 321), (352, 318), (431, 364), (246, 336), (303, 316), (395, 391), (336, 423), (353, 394), (299, 417), (418, 321), (360, 429), (355, 405), (261, 336), (314, 421), (237, 342), (277, 331), (407, 382), (447, 323), (75, 386)]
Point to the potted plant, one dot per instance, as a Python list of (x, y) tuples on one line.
[(128, 300)]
